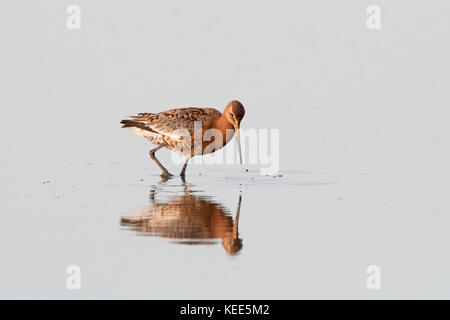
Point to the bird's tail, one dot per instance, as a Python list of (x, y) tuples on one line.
[(130, 124)]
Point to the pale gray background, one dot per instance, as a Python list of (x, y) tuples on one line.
[(363, 118)]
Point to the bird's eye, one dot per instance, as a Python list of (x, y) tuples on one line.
[(232, 115)]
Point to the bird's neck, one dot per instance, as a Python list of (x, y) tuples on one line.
[(223, 124)]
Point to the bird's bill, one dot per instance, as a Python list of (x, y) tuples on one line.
[(238, 141)]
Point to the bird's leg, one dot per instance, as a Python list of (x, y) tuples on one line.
[(184, 167), (165, 173)]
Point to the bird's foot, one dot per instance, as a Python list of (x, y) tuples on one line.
[(166, 174)]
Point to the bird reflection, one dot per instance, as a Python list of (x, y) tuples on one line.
[(187, 218)]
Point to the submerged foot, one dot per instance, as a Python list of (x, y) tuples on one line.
[(166, 174)]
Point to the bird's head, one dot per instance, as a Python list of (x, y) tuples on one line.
[(234, 113)]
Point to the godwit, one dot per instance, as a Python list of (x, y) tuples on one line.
[(178, 130)]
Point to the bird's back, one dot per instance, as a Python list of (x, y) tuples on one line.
[(164, 127)]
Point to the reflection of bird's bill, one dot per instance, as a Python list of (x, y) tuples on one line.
[(238, 141), (236, 218)]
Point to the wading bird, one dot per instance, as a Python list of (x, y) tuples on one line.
[(189, 131)]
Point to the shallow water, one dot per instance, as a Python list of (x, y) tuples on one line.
[(363, 145), (222, 233)]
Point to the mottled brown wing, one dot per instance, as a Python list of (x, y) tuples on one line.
[(171, 123)]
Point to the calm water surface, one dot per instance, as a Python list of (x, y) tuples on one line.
[(220, 233)]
